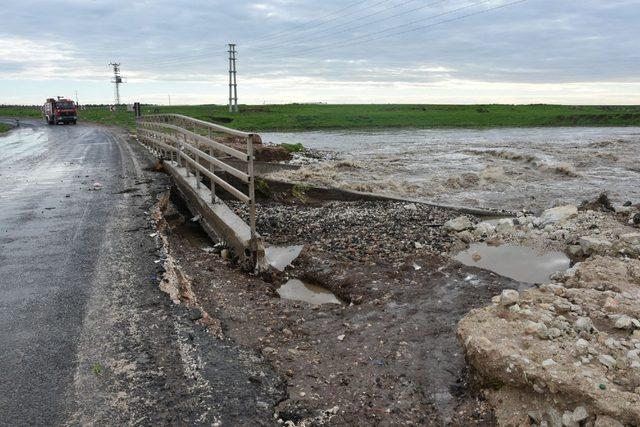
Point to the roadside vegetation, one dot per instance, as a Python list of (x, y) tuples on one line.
[(4, 127), (299, 117)]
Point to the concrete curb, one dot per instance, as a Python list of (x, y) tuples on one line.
[(218, 221)]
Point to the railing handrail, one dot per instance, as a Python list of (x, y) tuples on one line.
[(215, 144), (182, 144), (209, 125)]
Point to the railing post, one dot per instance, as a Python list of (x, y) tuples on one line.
[(197, 171), (212, 169), (252, 197), (186, 163), (179, 150)]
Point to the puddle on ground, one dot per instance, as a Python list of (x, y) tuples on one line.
[(298, 290), (281, 257), (516, 262)]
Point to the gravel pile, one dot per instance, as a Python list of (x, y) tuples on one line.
[(355, 230)]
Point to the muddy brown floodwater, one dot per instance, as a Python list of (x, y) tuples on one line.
[(518, 168)]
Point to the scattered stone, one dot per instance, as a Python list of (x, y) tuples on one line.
[(341, 337), (580, 414), (607, 361), (466, 236), (509, 297), (476, 257), (551, 216), (458, 224), (591, 245), (504, 226), (583, 324), (548, 363), (631, 238), (636, 219), (418, 245), (411, 207), (626, 322)]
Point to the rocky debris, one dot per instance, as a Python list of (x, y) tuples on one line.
[(601, 203), (553, 215), (636, 219), (579, 233), (591, 245), (567, 343), (458, 224), (383, 231)]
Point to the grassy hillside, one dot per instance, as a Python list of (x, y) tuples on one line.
[(298, 117)]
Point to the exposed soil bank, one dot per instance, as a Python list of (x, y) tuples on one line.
[(566, 352), (389, 355)]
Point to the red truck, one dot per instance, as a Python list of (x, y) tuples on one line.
[(59, 111)]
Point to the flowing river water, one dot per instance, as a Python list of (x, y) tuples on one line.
[(509, 168)]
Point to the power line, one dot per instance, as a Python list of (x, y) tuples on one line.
[(171, 60), (365, 24), (368, 37), (310, 24)]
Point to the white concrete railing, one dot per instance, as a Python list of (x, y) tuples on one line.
[(180, 139)]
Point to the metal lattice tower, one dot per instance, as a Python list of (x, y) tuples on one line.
[(233, 83), (117, 81)]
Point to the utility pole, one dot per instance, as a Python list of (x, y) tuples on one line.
[(233, 84), (169, 95), (77, 104), (117, 81)]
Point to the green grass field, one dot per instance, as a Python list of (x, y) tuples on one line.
[(4, 127), (300, 117)]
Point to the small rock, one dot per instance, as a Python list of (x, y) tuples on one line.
[(411, 207), (583, 324), (580, 414), (607, 361), (626, 322), (551, 216), (636, 219), (509, 297), (268, 350), (574, 250), (341, 337), (627, 203), (611, 304), (418, 245), (458, 224), (505, 226), (465, 236), (476, 257), (484, 229), (591, 245), (631, 238), (548, 363)]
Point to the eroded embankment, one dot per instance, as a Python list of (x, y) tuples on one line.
[(566, 352), (389, 353)]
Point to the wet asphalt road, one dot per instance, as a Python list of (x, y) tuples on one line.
[(87, 337)]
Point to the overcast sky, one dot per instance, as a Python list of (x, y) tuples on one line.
[(336, 51)]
